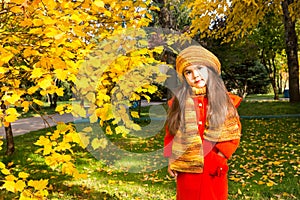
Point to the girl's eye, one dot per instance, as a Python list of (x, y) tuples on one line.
[(187, 72)]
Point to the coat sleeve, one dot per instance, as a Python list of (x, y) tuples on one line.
[(229, 147), (168, 140)]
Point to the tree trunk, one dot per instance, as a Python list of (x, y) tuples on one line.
[(292, 52), (275, 88), (9, 136), (9, 140), (53, 102)]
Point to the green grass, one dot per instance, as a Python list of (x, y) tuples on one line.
[(265, 166), (258, 108)]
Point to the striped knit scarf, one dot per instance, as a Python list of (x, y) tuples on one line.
[(187, 149)]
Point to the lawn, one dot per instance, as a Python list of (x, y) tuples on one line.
[(265, 166)]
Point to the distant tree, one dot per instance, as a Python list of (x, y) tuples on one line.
[(268, 37), (237, 19), (247, 78)]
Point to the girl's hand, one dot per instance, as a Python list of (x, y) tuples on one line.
[(171, 172), (215, 164)]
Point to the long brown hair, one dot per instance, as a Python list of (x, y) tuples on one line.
[(219, 103)]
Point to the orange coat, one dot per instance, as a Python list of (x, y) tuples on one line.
[(212, 184)]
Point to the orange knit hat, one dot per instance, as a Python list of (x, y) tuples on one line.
[(196, 55)]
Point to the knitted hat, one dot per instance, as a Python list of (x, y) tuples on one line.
[(196, 55)]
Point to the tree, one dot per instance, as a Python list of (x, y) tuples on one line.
[(240, 18), (268, 36), (47, 41)]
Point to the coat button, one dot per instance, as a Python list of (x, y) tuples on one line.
[(200, 122), (200, 104)]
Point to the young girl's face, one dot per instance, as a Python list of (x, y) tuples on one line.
[(196, 75)]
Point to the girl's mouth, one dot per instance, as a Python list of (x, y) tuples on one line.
[(200, 83)]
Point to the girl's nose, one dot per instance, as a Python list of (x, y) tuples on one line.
[(196, 73)]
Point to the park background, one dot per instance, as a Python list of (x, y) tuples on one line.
[(99, 60)]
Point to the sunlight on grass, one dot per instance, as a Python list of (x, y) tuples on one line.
[(265, 166)]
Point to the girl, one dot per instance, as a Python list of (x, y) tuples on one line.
[(203, 127)]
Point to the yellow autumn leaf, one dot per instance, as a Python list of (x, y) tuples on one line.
[(38, 102), (5, 171), (108, 130), (11, 115), (13, 98), (122, 130), (2, 165), (41, 194), (99, 3), (3, 69), (151, 89), (260, 182), (78, 110), (45, 83), (36, 31), (32, 89), (270, 183), (6, 56), (135, 114), (59, 91), (16, 9), (60, 109), (20, 185), (25, 105), (96, 143), (37, 73), (239, 191), (93, 118), (9, 186), (30, 52), (76, 18), (154, 8), (42, 141), (38, 185), (17, 1), (51, 32), (61, 74), (68, 168), (37, 22), (107, 13), (147, 97), (23, 175), (25, 195), (63, 146), (135, 127), (84, 140), (10, 178), (87, 129)]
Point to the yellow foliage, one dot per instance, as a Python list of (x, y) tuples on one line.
[(38, 102), (5, 171), (99, 3), (2, 165), (108, 130), (135, 114), (38, 185), (12, 99), (78, 110), (11, 115), (25, 105), (23, 175), (20, 185), (52, 40), (10, 186)]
